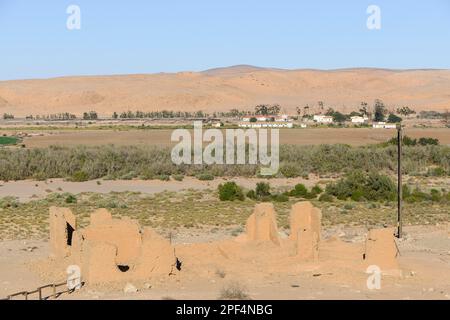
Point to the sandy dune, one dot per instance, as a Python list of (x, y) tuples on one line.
[(224, 88)]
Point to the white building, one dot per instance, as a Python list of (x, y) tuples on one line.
[(266, 125), (384, 125), (359, 119), (282, 118), (258, 118), (323, 119)]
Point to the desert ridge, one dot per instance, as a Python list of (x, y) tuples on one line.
[(223, 89)]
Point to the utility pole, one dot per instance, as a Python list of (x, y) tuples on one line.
[(399, 180)]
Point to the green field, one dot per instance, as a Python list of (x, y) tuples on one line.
[(7, 141)]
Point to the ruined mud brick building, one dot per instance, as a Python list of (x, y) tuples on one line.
[(116, 250)]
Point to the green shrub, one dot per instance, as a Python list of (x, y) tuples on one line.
[(178, 177), (79, 176), (290, 171), (317, 189), (163, 177), (299, 190), (436, 172), (406, 191), (8, 202), (205, 177), (417, 196), (310, 195), (251, 194), (70, 199), (357, 195), (358, 186), (230, 191), (325, 197), (128, 176), (114, 161), (435, 195), (279, 197), (349, 206), (428, 141), (262, 189)]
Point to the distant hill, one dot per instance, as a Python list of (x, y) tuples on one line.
[(222, 89)]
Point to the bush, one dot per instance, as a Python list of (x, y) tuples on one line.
[(113, 162), (310, 195), (428, 142), (230, 191), (262, 189), (128, 176), (436, 172), (325, 197), (163, 177), (435, 195), (71, 199), (316, 189), (357, 195), (251, 194), (178, 177), (349, 206), (299, 191), (290, 171), (417, 196), (8, 202), (79, 176), (358, 186), (205, 177), (279, 197)]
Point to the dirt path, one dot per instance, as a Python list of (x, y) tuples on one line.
[(26, 190)]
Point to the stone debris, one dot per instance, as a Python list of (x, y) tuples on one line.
[(130, 288)]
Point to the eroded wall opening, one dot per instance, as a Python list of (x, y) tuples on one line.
[(123, 268), (69, 233)]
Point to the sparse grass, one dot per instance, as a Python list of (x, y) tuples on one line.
[(170, 211), (233, 291), (221, 273)]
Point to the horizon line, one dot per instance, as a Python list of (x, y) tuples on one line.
[(231, 67)]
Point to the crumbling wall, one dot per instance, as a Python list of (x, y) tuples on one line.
[(262, 224), (62, 225), (381, 249), (122, 233), (98, 263), (110, 250), (305, 224), (157, 255)]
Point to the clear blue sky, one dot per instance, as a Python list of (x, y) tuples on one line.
[(137, 36)]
